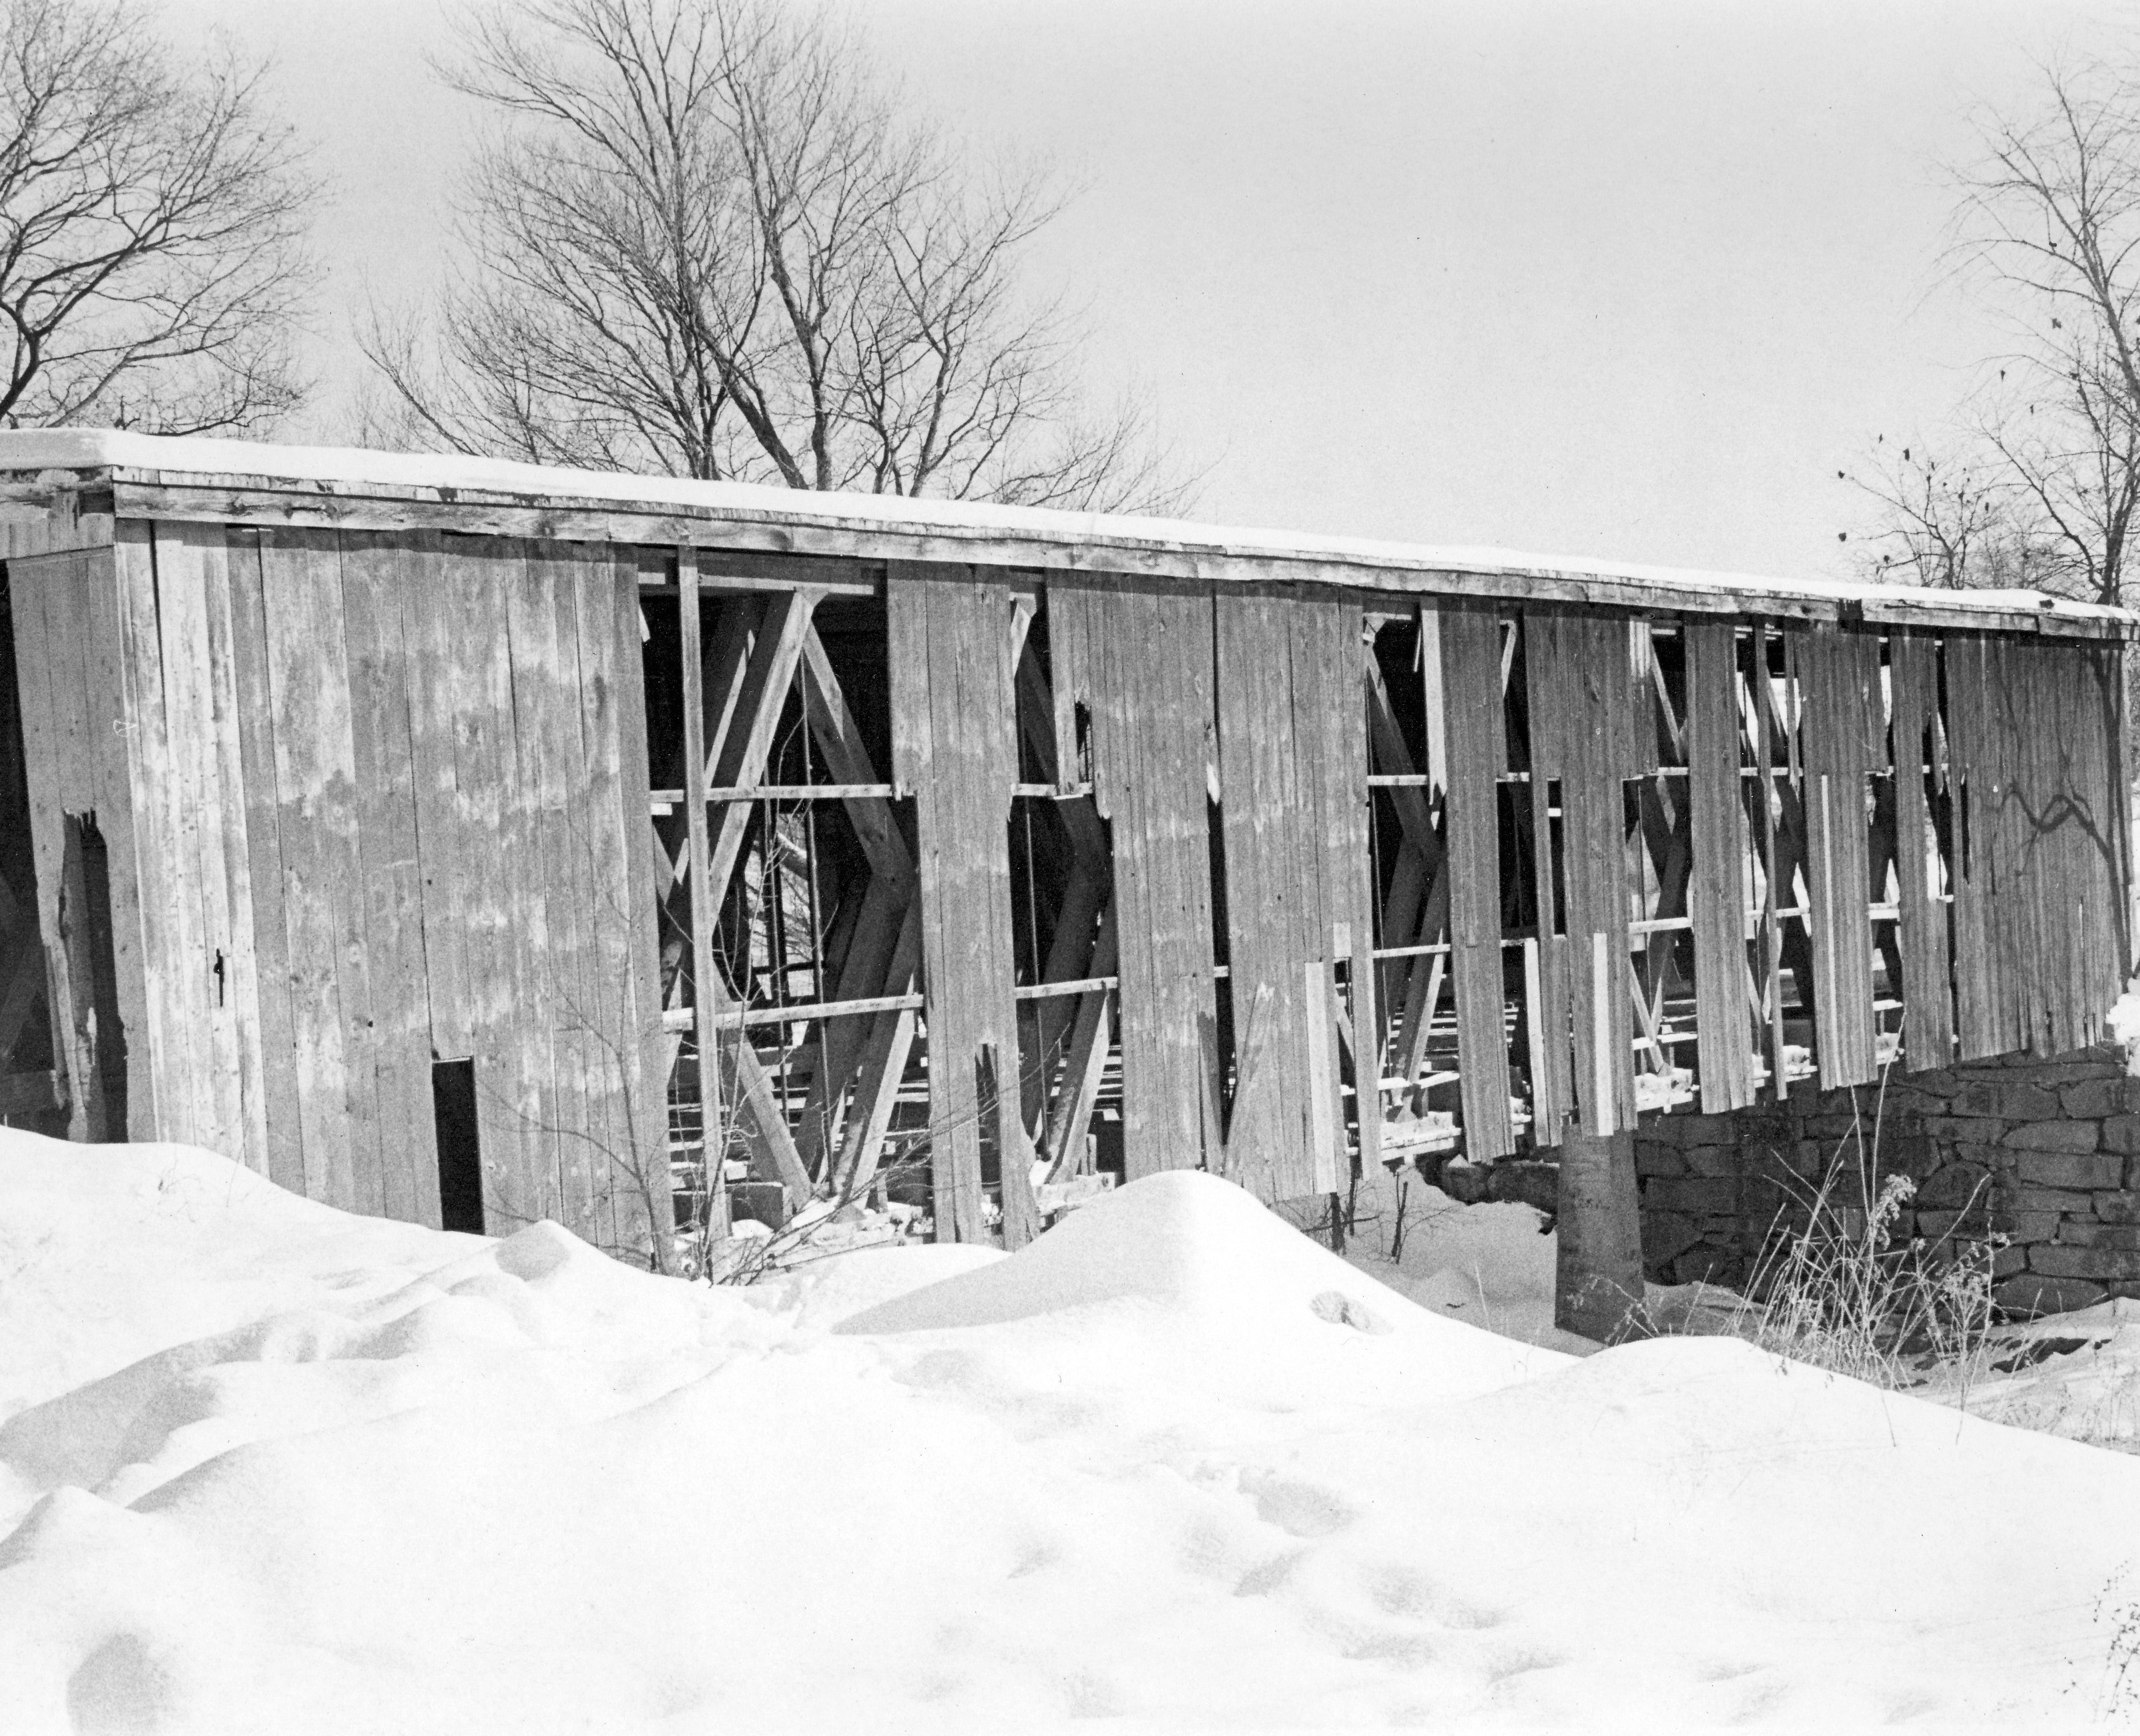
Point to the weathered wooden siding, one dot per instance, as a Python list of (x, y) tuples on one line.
[(1293, 796), (1177, 860), (1138, 656), (366, 807), (954, 721)]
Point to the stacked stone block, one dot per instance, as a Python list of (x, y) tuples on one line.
[(2044, 1154)]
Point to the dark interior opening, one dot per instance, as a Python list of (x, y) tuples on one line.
[(460, 1152), (32, 1047), (85, 926)]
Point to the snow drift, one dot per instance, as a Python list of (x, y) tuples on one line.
[(264, 1467)]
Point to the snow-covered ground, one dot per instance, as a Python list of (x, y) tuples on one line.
[(266, 1467)]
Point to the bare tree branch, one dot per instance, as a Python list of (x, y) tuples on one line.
[(152, 267), (706, 242), (2047, 477)]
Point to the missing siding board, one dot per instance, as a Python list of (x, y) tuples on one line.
[(99, 1040), (460, 1150)]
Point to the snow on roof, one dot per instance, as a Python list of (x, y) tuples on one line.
[(1023, 535)]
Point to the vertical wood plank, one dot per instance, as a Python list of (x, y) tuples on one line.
[(169, 941), (1843, 716), (1581, 736), (1471, 638), (1716, 898), (704, 899), (189, 568), (252, 702), (376, 572), (315, 780), (1927, 989), (954, 712), (1970, 778), (40, 663), (614, 721), (1139, 655)]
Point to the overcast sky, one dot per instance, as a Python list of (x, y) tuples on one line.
[(1631, 280)]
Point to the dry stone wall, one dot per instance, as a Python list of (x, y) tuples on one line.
[(2043, 1154)]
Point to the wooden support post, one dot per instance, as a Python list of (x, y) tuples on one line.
[(1367, 1050), (704, 898), (1598, 1285)]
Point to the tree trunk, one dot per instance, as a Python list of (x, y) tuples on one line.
[(1598, 1284)]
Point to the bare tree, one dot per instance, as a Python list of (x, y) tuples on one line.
[(2046, 487), (1946, 523), (152, 268), (702, 240)]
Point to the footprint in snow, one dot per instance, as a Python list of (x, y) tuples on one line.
[(1342, 1310), (1298, 1508)]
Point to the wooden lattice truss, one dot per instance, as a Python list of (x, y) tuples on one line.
[(1275, 879)]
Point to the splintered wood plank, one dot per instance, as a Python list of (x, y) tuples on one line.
[(95, 608), (1843, 735), (1928, 987), (41, 664), (955, 741), (314, 782), (1581, 730), (254, 700), (400, 1136), (1137, 654), (1471, 645), (1717, 896)]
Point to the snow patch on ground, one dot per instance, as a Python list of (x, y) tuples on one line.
[(2123, 1024), (1489, 1265), (270, 1467)]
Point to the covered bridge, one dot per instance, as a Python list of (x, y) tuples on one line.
[(474, 843)]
